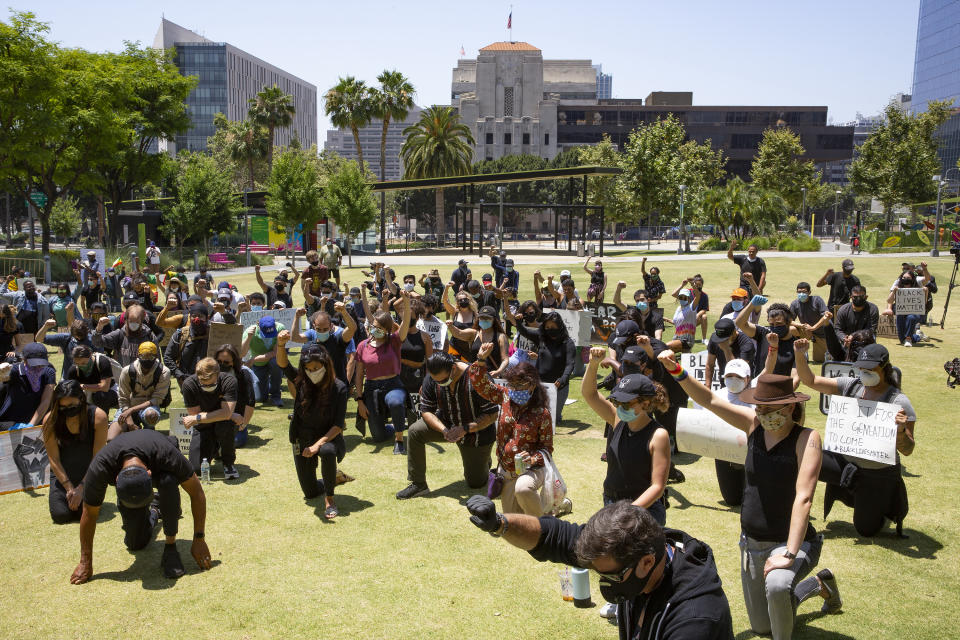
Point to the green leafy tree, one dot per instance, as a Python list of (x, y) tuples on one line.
[(437, 145), (348, 105), (65, 219), (294, 190), (606, 191), (392, 101), (778, 166), (738, 208), (271, 108), (248, 142), (899, 159), (513, 191), (203, 201), (348, 200)]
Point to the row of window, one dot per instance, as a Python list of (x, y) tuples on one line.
[(508, 138), (635, 117)]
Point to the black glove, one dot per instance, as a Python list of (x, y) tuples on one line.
[(483, 513)]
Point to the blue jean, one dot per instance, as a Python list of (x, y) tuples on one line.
[(562, 393), (907, 327), (394, 397), (145, 418), (269, 380)]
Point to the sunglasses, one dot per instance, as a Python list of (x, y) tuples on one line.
[(618, 576)]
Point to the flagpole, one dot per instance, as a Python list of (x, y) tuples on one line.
[(510, 23)]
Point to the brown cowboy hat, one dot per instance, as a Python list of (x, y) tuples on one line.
[(773, 389)]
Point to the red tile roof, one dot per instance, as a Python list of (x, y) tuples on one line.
[(510, 46)]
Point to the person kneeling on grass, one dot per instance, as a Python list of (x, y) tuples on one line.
[(211, 397), (136, 462), (665, 581), (316, 428)]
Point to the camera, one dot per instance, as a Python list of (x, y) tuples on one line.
[(955, 249)]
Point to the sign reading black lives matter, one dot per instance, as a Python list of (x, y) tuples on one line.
[(862, 429), (911, 302)]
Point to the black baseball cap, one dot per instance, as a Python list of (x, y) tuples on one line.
[(134, 488), (131, 297), (723, 329), (487, 311), (625, 329), (847, 264), (508, 262), (462, 261), (872, 356), (632, 387), (635, 355), (487, 277)]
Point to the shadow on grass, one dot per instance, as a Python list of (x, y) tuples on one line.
[(346, 505), (916, 545), (146, 567), (246, 473), (457, 489), (253, 440), (572, 427), (802, 629), (684, 458), (679, 501)]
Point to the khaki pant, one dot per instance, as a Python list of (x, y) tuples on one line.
[(521, 495)]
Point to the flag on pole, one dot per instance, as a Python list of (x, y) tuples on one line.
[(117, 263), (462, 52), (510, 20)]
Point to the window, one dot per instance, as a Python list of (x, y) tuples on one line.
[(508, 101), (507, 138), (526, 138), (489, 138), (546, 139)]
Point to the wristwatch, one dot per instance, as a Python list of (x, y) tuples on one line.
[(789, 556), (198, 535)]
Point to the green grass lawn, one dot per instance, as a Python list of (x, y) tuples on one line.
[(419, 569)]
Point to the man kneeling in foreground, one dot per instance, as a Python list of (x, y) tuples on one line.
[(135, 462), (665, 582)]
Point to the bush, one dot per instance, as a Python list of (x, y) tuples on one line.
[(802, 243), (713, 243)]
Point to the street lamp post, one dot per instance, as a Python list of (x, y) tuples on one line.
[(836, 206), (683, 232), (803, 206), (935, 252), (500, 191)]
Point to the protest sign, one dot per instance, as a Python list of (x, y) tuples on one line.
[(704, 434), (286, 317), (220, 333), (910, 302), (21, 340), (604, 320), (23, 460), (886, 327), (696, 366), (22, 281), (437, 331), (578, 325), (182, 434), (862, 429), (833, 369), (415, 403)]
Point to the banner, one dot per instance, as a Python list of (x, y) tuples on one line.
[(696, 366), (604, 320), (260, 230), (182, 434), (886, 327), (436, 329), (220, 333), (578, 324), (23, 460), (704, 434), (286, 317), (862, 429), (910, 302), (832, 369)]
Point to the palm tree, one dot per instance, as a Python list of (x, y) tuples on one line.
[(271, 108), (393, 101), (348, 106), (437, 145), (248, 142)]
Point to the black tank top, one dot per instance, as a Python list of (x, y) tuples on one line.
[(596, 278), (463, 347), (770, 488), (76, 450), (495, 359), (629, 463), (412, 349)]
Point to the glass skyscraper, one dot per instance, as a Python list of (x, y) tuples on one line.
[(936, 69)]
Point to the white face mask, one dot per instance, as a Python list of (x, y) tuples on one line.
[(735, 384), (315, 376), (869, 378), (209, 388), (749, 259), (134, 326), (773, 421), (408, 286)]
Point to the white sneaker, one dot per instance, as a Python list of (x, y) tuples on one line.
[(907, 343), (921, 335), (608, 610), (706, 341)]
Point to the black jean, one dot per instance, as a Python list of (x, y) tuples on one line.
[(731, 478), (307, 471), (139, 523), (60, 509), (834, 346), (874, 495), (205, 441)]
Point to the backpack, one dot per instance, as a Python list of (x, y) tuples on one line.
[(157, 372)]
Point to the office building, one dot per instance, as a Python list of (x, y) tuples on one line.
[(228, 78), (936, 70), (604, 83), (341, 141)]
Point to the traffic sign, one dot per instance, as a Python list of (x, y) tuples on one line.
[(38, 199)]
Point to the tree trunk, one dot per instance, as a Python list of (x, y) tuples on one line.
[(252, 185), (383, 195), (356, 141), (349, 252), (441, 235), (270, 147), (45, 230)]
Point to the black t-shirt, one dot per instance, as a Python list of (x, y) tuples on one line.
[(742, 347), (21, 400), (92, 294), (840, 288), (194, 396), (652, 322), (100, 371), (785, 355), (6, 339), (158, 451), (273, 295), (758, 267)]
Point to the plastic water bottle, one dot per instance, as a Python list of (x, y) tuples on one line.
[(205, 471)]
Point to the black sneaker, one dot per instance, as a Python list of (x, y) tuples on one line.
[(412, 491), (230, 473), (399, 448), (675, 475), (170, 562), (833, 602)]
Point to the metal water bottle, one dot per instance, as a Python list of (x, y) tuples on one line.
[(581, 588), (205, 471)]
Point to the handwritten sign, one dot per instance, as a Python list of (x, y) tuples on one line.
[(911, 302), (286, 317), (886, 327), (862, 429), (183, 435), (704, 434), (696, 366), (578, 325), (604, 318), (437, 331), (221, 333), (832, 369)]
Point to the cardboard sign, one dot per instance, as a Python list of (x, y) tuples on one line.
[(910, 302), (604, 320), (23, 460), (22, 281), (832, 369), (704, 434), (21, 340), (862, 429), (415, 403), (887, 327), (523, 343), (578, 324), (436, 329), (696, 366), (220, 333), (6, 300), (286, 317), (184, 436)]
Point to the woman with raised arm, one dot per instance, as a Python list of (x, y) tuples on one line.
[(778, 545)]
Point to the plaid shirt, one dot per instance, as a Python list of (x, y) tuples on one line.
[(457, 405)]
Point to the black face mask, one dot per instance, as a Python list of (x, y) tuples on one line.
[(225, 367), (530, 317), (71, 411), (630, 588), (858, 301), (553, 333), (462, 303), (279, 286), (780, 331)]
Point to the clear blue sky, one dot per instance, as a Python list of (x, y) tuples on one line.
[(850, 55)]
